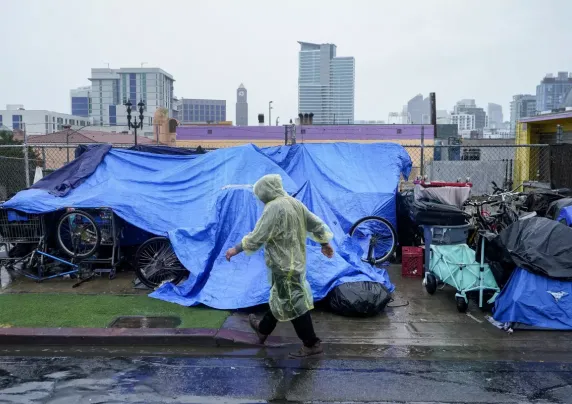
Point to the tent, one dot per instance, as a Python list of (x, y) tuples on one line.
[(205, 204)]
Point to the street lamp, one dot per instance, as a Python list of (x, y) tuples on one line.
[(270, 113), (135, 125), (277, 120)]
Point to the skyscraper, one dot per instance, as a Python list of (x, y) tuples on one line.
[(551, 91), (521, 106), (241, 106), (326, 84), (494, 112), (418, 109)]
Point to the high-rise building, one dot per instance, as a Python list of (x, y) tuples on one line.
[(112, 88), (241, 106), (81, 101), (521, 106), (195, 111), (418, 109), (495, 117), (326, 84), (465, 108), (551, 91)]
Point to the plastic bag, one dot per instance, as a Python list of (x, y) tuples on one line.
[(359, 299)]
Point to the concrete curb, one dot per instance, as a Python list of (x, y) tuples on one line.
[(199, 337)]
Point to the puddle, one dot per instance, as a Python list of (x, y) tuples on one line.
[(145, 322)]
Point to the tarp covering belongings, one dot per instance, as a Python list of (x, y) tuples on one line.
[(205, 204), (535, 300), (565, 216), (540, 245)]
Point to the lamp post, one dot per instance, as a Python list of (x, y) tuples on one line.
[(135, 125), (270, 113)]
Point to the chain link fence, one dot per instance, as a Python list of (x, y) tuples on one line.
[(510, 166)]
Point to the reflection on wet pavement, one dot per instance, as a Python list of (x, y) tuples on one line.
[(252, 380)]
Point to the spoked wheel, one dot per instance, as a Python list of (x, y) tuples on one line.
[(78, 234), (156, 262), (377, 238)]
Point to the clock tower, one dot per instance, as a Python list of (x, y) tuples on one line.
[(241, 106)]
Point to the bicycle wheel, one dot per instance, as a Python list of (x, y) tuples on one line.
[(156, 262), (377, 238), (78, 234)]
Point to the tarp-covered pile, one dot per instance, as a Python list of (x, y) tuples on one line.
[(205, 204), (539, 292)]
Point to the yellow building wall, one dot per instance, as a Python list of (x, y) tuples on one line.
[(527, 158)]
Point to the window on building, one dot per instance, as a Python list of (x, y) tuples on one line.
[(17, 122)]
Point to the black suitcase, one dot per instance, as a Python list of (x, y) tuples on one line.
[(438, 214)]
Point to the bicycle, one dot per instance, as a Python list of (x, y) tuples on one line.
[(378, 238), (23, 245)]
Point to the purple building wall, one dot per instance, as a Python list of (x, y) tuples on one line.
[(307, 133)]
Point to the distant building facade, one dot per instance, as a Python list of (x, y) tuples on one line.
[(326, 84), (38, 122), (494, 115), (521, 106), (468, 117), (81, 101), (200, 110), (241, 106), (418, 110), (110, 89), (551, 92)]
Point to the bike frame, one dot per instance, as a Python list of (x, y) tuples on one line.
[(39, 278)]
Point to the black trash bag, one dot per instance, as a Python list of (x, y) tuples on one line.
[(359, 299), (556, 206), (497, 257), (538, 201), (539, 245)]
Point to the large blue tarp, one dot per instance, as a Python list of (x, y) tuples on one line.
[(535, 300), (205, 204), (566, 215)]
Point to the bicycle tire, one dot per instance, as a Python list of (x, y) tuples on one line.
[(162, 258), (91, 221), (377, 260)]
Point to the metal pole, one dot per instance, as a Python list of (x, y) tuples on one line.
[(558, 134), (270, 113), (135, 130), (422, 171), (26, 162), (68, 144)]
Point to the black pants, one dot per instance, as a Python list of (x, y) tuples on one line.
[(303, 326)]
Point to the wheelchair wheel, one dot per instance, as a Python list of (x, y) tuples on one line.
[(78, 234), (156, 262), (377, 238)]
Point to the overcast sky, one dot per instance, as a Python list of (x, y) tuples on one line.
[(487, 50)]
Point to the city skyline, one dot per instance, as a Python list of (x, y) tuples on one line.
[(427, 57)]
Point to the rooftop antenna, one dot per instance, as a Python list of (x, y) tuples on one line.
[(107, 65)]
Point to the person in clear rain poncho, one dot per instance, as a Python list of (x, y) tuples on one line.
[(282, 229)]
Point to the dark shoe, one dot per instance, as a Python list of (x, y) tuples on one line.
[(306, 352), (254, 323)]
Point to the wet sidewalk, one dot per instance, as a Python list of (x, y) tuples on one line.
[(418, 324)]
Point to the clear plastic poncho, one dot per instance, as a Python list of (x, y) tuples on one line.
[(283, 228)]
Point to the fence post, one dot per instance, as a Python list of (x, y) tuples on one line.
[(422, 170), (26, 162)]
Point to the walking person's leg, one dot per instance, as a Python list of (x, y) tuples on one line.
[(305, 331), (264, 327)]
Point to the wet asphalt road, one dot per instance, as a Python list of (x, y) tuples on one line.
[(68, 380)]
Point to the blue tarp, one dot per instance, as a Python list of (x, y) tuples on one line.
[(205, 204), (535, 300), (566, 215)]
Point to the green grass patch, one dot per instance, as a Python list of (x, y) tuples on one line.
[(50, 310)]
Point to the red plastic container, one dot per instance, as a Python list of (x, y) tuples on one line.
[(412, 262)]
